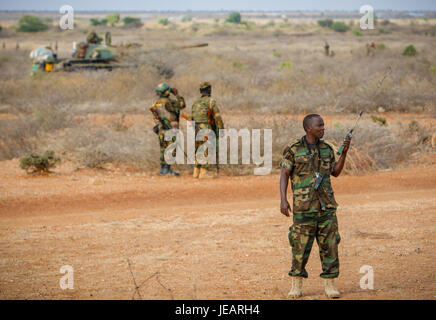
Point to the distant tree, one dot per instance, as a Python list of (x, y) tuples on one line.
[(132, 22), (94, 22), (163, 21), (339, 26), (326, 23), (234, 17), (410, 51), (35, 163), (29, 23), (112, 18)]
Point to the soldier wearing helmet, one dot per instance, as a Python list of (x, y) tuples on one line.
[(206, 115), (93, 38), (168, 112)]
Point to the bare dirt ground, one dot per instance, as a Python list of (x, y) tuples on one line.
[(218, 239)]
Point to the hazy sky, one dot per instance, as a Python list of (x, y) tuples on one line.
[(174, 5)]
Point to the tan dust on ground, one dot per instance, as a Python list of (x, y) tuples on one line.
[(216, 239)]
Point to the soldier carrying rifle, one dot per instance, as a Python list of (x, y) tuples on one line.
[(206, 115), (309, 162), (166, 112)]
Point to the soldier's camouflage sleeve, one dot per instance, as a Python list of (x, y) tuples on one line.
[(332, 157), (216, 114), (177, 105), (287, 161), (181, 101), (160, 111)]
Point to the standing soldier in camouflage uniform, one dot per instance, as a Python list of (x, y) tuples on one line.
[(167, 112), (206, 115), (309, 162)]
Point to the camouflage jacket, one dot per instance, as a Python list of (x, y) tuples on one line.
[(169, 109), (93, 38), (206, 113), (297, 159)]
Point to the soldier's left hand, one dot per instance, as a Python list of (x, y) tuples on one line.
[(347, 143), (285, 208)]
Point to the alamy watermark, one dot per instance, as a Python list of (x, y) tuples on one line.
[(207, 151), (367, 20), (367, 281), (66, 21), (67, 281)]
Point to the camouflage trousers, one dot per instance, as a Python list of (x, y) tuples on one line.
[(200, 164), (322, 226), (163, 145), (197, 163)]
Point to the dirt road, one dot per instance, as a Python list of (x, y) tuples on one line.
[(217, 239)]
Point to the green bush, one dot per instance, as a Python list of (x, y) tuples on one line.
[(339, 27), (31, 24), (271, 23), (132, 22), (96, 22), (327, 23), (1, 28), (379, 120), (284, 65), (380, 46), (112, 18), (410, 51), (234, 17), (237, 65), (186, 19), (276, 54), (35, 163), (357, 33), (163, 21), (216, 20)]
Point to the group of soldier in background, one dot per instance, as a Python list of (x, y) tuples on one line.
[(204, 113)]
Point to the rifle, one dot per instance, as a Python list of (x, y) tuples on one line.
[(165, 122), (341, 148), (166, 125), (211, 121)]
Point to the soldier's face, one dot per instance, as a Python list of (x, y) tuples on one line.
[(316, 127)]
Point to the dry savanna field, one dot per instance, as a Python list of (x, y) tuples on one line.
[(104, 210)]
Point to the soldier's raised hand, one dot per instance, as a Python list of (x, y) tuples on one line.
[(347, 143), (174, 91)]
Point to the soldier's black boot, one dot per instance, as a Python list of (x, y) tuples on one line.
[(164, 169), (171, 172)]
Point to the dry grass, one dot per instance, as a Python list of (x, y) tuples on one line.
[(260, 68)]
